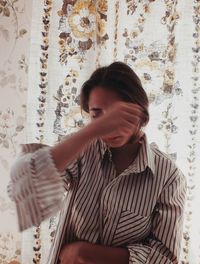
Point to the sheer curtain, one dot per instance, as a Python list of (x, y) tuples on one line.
[(160, 41)]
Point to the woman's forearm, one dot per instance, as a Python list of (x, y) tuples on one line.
[(97, 254), (69, 148)]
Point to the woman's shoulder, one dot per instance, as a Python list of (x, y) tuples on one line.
[(166, 162), (160, 153)]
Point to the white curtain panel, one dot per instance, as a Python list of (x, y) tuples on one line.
[(160, 41)]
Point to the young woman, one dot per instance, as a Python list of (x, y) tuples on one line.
[(124, 200)]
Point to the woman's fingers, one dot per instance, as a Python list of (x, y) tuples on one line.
[(132, 119), (133, 110), (120, 115)]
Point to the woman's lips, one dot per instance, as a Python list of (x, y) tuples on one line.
[(113, 138)]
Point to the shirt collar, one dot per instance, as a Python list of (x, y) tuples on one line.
[(144, 159)]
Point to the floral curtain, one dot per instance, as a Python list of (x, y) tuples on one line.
[(15, 22), (160, 41)]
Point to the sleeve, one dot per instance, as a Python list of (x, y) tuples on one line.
[(36, 186), (163, 244)]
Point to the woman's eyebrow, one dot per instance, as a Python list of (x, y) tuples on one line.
[(95, 109)]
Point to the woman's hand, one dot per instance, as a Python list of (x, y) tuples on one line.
[(121, 119), (89, 253), (72, 253)]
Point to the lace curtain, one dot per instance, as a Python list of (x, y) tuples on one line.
[(160, 41)]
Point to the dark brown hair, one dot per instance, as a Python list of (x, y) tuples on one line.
[(120, 78)]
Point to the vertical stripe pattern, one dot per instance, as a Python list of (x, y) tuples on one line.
[(140, 209)]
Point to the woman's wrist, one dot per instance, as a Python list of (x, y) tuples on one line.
[(90, 131)]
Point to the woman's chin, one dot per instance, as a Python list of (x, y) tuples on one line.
[(115, 142)]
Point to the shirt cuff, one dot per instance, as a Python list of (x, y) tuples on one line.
[(36, 187)]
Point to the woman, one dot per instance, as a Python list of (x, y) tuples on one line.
[(125, 198)]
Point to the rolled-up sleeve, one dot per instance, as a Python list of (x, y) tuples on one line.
[(163, 243), (36, 186)]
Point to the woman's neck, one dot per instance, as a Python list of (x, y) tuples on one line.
[(128, 151)]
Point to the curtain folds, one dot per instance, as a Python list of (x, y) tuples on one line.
[(160, 41)]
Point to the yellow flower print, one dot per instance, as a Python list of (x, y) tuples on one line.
[(103, 6), (74, 73), (152, 65), (60, 13), (134, 34), (73, 118), (82, 20), (100, 26)]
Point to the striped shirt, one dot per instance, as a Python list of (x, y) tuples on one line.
[(140, 209)]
